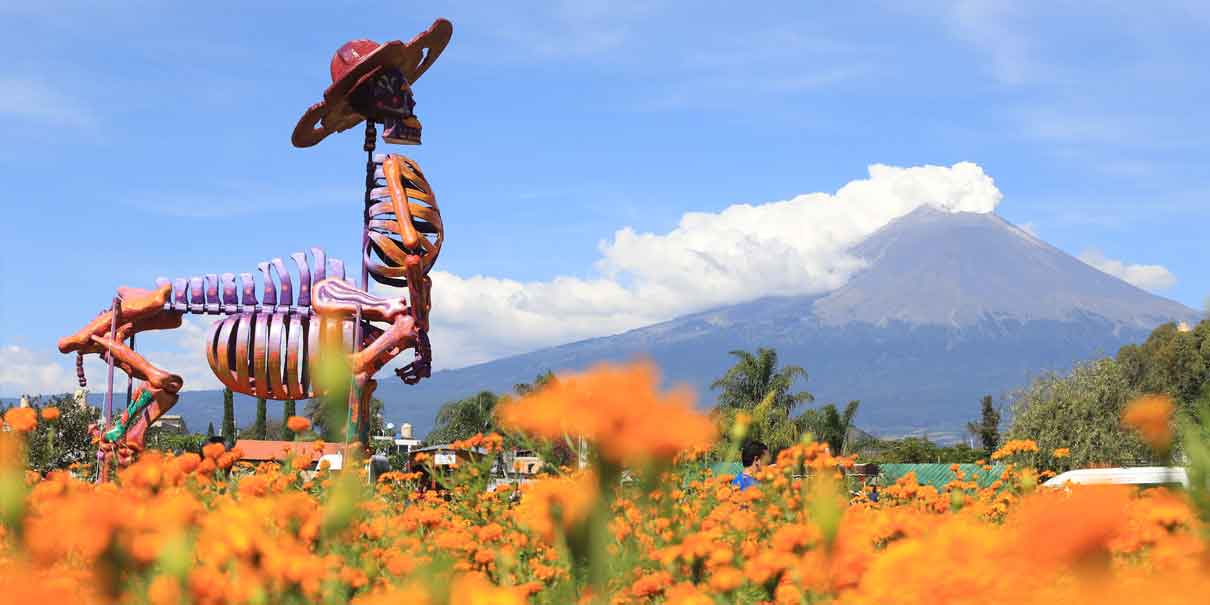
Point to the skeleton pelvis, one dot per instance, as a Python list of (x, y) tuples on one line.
[(276, 355)]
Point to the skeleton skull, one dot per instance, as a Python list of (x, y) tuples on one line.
[(386, 97)]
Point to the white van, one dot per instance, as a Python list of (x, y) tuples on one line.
[(1143, 475)]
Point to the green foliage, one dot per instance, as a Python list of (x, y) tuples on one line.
[(275, 430), (543, 379), (756, 401), (1169, 361), (260, 428), (210, 429), (1082, 412), (464, 418), (228, 418), (157, 439), (987, 430), (830, 425), (755, 377), (329, 416), (1197, 454), (65, 441), (916, 450)]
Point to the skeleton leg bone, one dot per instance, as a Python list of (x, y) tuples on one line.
[(154, 397)]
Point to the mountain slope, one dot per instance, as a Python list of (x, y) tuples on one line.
[(933, 267)]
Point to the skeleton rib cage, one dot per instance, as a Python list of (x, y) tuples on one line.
[(268, 340), (265, 343)]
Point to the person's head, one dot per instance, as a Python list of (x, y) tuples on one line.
[(754, 455)]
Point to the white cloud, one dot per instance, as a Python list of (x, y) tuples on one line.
[(25, 372), (32, 100), (746, 251), (1147, 277)]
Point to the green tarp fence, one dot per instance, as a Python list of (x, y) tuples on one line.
[(936, 475)]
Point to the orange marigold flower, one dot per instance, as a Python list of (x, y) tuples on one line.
[(206, 467), (164, 590), (617, 407), (651, 584), (475, 589), (187, 462), (22, 420), (1056, 528), (1062, 452), (50, 414), (726, 579), (213, 450), (1015, 446), (1150, 415), (298, 424), (556, 502)]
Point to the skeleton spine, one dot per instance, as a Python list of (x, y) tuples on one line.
[(214, 294)]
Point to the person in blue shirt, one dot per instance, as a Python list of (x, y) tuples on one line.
[(755, 456)]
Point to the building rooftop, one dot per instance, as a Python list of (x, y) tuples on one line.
[(255, 450)]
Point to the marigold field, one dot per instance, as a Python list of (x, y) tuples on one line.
[(642, 523)]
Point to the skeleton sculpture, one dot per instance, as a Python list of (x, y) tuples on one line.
[(267, 342)]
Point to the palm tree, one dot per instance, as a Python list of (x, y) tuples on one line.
[(464, 418), (755, 377), (830, 425)]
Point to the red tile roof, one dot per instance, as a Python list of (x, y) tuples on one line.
[(255, 450)]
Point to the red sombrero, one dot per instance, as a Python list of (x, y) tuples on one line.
[(361, 59)]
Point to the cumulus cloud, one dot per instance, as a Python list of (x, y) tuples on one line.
[(746, 251), (1147, 277)]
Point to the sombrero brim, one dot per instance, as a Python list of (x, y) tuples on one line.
[(334, 114)]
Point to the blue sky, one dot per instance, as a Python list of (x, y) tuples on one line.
[(149, 139)]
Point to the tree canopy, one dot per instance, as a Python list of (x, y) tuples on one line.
[(757, 376), (465, 417), (1082, 412), (830, 425), (67, 439)]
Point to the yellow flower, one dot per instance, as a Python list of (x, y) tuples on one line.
[(50, 414), (1062, 452)]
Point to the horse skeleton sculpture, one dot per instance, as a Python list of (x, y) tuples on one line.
[(268, 343)]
